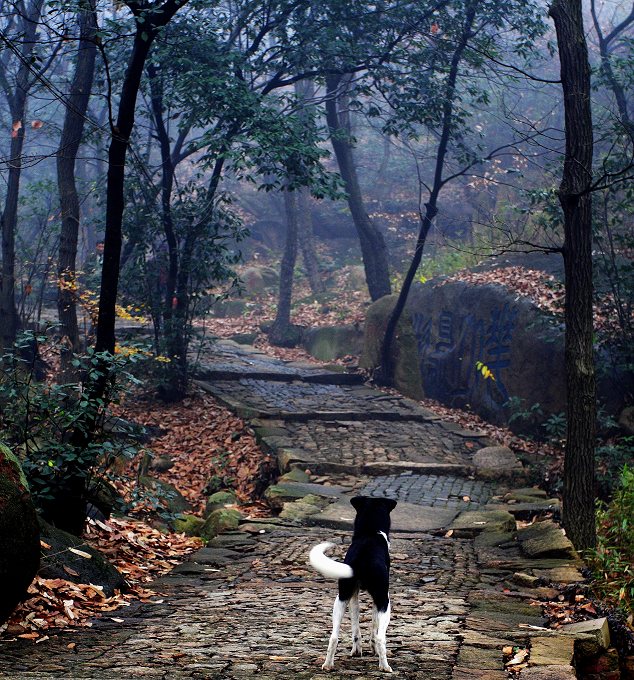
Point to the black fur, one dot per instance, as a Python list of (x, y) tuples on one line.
[(369, 555)]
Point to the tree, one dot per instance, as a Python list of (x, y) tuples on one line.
[(72, 131), (576, 202), (24, 22), (429, 93), (373, 248)]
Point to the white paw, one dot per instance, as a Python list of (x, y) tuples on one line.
[(327, 666), (385, 668), (356, 650)]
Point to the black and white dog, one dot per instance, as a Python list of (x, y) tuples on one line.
[(366, 566)]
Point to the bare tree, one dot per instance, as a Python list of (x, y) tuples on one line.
[(576, 202)]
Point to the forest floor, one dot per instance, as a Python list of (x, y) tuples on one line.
[(247, 604)]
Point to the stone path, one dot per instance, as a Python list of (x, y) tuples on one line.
[(248, 605)]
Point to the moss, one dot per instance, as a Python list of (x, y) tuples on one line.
[(12, 459), (407, 377)]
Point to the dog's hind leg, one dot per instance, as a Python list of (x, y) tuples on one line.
[(374, 629), (338, 612), (383, 621), (356, 630)]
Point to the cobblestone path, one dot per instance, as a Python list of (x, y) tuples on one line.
[(248, 605)]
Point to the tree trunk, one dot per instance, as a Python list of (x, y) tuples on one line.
[(68, 511), (385, 371), (17, 100), (281, 332), (576, 202), (307, 240), (70, 140), (373, 248)]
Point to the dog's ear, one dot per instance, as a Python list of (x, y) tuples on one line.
[(390, 504), (358, 502)]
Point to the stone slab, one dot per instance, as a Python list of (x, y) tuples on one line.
[(552, 650), (597, 628), (406, 517)]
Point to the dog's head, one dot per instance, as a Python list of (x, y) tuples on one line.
[(373, 514)]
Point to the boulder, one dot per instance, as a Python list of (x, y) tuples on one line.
[(219, 500), (19, 534), (279, 494), (333, 342), (407, 375), (457, 325), (220, 520), (626, 419), (495, 462), (189, 525), (58, 561), (258, 280), (169, 496), (162, 463)]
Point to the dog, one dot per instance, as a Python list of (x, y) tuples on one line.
[(366, 566)]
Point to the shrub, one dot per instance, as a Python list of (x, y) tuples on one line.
[(613, 560)]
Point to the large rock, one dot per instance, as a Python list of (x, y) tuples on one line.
[(495, 462), (257, 280), (59, 561), (333, 342), (407, 376), (19, 534), (457, 325), (169, 496)]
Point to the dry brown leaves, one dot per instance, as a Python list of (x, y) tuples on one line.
[(545, 291), (139, 552), (203, 439)]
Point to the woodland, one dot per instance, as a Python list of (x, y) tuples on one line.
[(177, 171)]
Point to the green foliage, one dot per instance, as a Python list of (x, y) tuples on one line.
[(452, 258), (610, 459), (39, 418), (613, 560)]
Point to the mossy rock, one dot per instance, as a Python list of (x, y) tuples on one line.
[(171, 498), (219, 500), (59, 562), (19, 534), (294, 475), (189, 525), (219, 521), (407, 377), (333, 342)]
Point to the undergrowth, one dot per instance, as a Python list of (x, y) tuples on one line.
[(612, 562)]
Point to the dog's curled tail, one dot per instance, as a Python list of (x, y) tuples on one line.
[(326, 566)]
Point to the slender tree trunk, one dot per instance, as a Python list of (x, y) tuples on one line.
[(307, 240), (70, 140), (17, 100), (385, 372), (281, 332), (373, 248), (167, 184), (576, 202)]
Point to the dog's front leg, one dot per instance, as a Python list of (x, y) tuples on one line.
[(338, 612), (383, 621), (356, 630)]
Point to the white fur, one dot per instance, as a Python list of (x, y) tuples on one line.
[(326, 566)]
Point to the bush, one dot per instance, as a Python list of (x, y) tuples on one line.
[(613, 560), (40, 419)]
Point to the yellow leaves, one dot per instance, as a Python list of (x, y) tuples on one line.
[(485, 371)]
